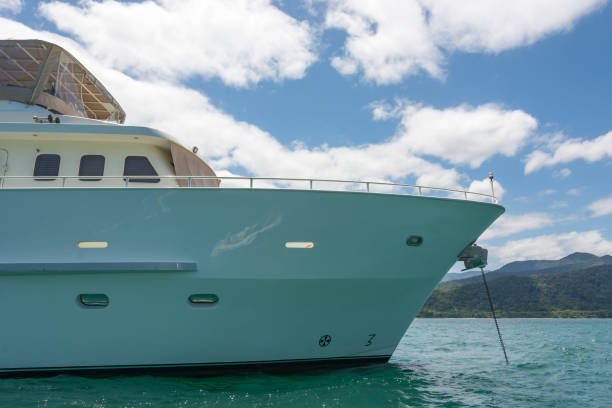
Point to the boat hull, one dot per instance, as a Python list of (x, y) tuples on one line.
[(348, 299)]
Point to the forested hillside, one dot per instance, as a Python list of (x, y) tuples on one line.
[(580, 293)]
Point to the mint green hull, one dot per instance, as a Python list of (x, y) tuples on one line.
[(360, 284)]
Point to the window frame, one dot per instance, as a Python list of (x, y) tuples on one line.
[(37, 167), (140, 180), (93, 175)]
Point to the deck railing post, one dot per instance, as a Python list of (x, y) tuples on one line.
[(63, 181), (420, 192), (127, 180), (465, 193), (311, 184), (368, 187), (189, 182), (251, 182)]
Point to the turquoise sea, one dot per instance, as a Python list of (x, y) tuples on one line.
[(440, 362)]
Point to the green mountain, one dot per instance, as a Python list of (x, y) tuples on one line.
[(585, 292), (575, 261)]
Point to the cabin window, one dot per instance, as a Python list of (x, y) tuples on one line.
[(47, 165), (139, 166), (91, 165)]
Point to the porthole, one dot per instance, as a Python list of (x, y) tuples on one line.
[(414, 240), (203, 299), (93, 300)]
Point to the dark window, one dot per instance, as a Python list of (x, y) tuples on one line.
[(47, 165), (91, 165), (139, 166)]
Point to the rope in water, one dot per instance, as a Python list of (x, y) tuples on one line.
[(501, 341)]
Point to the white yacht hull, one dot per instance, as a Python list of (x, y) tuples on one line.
[(349, 298)]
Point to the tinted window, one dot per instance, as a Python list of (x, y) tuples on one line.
[(91, 165), (47, 165), (139, 166)]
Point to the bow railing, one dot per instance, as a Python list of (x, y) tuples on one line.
[(33, 182)]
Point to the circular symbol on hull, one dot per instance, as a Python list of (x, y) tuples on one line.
[(325, 340)]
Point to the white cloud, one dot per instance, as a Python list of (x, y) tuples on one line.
[(484, 187), (388, 40), (240, 41), (495, 26), (509, 224), (574, 192), (563, 173), (14, 6), (570, 150), (461, 135), (553, 246), (601, 207)]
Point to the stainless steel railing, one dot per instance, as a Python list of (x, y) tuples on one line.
[(21, 182)]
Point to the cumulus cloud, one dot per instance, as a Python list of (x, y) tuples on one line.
[(464, 134), (388, 40), (552, 246), (14, 6), (239, 41), (570, 150), (508, 224), (601, 207), (495, 26)]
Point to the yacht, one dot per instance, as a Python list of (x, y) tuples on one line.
[(122, 251)]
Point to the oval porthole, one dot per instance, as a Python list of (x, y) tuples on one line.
[(414, 240), (203, 299), (93, 300)]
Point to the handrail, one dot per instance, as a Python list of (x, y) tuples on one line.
[(126, 180)]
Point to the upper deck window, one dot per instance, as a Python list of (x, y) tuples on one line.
[(139, 166), (47, 165), (91, 165)]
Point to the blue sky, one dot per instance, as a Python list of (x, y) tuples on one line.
[(421, 91)]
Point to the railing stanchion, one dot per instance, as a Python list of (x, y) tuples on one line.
[(368, 187), (311, 184), (63, 181), (251, 182), (465, 193), (420, 192), (189, 182), (127, 180)]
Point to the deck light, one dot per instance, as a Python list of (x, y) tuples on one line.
[(303, 245), (92, 244)]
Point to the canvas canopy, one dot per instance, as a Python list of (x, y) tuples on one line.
[(189, 164), (40, 73)]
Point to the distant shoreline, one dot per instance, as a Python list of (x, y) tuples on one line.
[(516, 317)]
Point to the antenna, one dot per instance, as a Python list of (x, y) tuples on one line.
[(491, 180)]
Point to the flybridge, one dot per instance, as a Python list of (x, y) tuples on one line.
[(36, 72)]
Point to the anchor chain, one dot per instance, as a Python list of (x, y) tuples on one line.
[(501, 340)]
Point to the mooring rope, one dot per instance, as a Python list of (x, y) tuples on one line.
[(501, 341)]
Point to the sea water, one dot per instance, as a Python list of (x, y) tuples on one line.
[(439, 362)]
